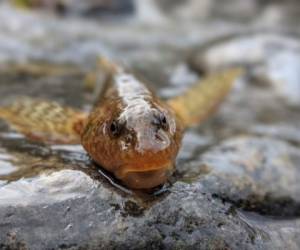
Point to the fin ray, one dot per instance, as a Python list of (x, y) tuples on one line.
[(204, 97), (44, 121)]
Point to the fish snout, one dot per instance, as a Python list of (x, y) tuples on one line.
[(153, 140)]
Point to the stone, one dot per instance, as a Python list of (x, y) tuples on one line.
[(272, 59)]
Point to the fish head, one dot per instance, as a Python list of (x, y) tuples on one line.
[(137, 143)]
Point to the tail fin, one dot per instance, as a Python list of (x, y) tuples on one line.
[(44, 121), (202, 99)]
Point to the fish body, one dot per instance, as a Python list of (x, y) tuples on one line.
[(130, 132)]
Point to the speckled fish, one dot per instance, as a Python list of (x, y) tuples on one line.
[(130, 132)]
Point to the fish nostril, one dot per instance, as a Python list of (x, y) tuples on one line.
[(160, 121), (128, 138), (162, 138), (164, 122), (158, 137)]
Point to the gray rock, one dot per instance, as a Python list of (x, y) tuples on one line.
[(273, 59), (68, 209), (103, 219), (257, 171)]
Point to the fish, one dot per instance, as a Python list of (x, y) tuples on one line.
[(130, 132)]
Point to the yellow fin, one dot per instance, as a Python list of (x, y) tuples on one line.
[(44, 121), (38, 69), (107, 66), (201, 100)]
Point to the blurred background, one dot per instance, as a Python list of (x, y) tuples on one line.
[(236, 184)]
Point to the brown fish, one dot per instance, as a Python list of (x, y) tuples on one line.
[(130, 132)]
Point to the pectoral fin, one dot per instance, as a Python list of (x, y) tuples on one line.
[(44, 121), (200, 101)]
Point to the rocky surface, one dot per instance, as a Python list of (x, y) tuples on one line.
[(237, 180)]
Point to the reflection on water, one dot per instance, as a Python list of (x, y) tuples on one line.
[(58, 186), (6, 164)]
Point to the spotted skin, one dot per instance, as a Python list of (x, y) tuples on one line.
[(44, 121), (130, 132)]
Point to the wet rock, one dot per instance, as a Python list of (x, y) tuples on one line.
[(93, 8), (126, 42), (256, 109), (98, 7), (180, 77), (242, 11), (279, 14), (285, 131), (248, 49), (186, 9), (193, 9), (260, 174), (188, 217), (6, 166), (185, 218), (273, 59), (43, 81), (47, 189), (283, 73)]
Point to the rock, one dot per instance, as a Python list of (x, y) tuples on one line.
[(248, 49), (181, 78), (47, 189), (274, 59), (285, 131), (258, 173), (52, 210), (279, 14), (205, 10), (243, 10), (283, 73), (104, 219), (87, 8)]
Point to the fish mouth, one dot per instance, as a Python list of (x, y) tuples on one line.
[(146, 177)]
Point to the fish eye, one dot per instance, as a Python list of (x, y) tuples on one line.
[(164, 122), (115, 128), (161, 122)]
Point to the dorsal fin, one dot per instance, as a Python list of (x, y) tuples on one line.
[(203, 98), (44, 121), (108, 66), (98, 80)]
